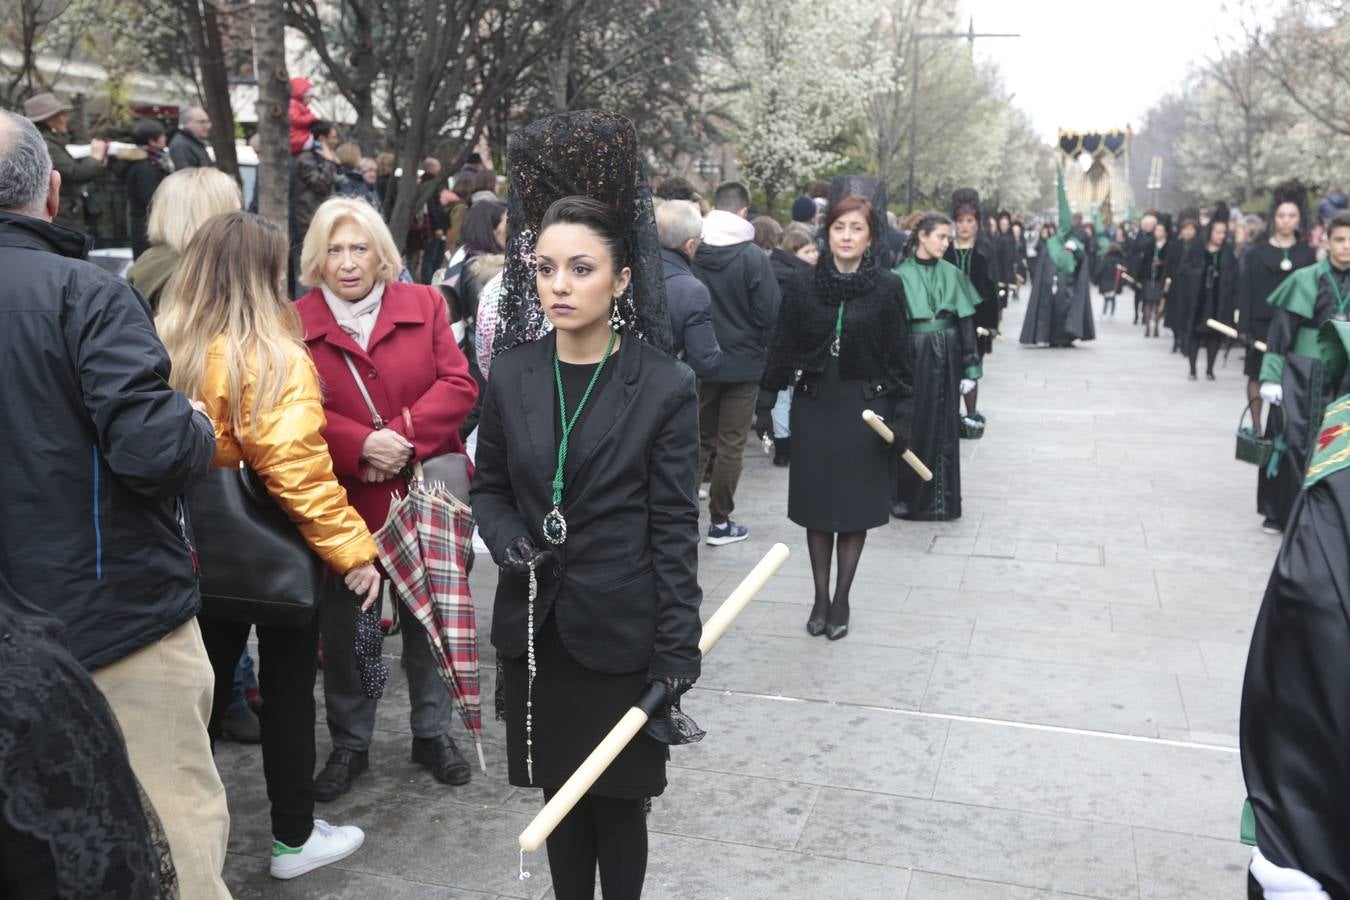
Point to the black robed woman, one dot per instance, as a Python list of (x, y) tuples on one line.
[(1210, 277), (1264, 268), (940, 305), (976, 255), (842, 342), (585, 491)]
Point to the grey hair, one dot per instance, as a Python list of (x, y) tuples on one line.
[(186, 113), (25, 165), (678, 221)]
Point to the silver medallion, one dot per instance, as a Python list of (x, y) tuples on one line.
[(834, 347), (1285, 264), (555, 527)]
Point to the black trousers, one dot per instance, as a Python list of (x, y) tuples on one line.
[(605, 831), (287, 666)]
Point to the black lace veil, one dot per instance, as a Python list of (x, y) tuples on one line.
[(72, 813), (583, 153)]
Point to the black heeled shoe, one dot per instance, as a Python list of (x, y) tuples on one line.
[(816, 626), (837, 631)]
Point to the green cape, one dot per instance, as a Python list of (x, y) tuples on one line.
[(955, 293), (1298, 294)]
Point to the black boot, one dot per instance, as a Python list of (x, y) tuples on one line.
[(782, 452), (336, 777)]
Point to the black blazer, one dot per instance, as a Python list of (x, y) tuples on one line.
[(625, 592)]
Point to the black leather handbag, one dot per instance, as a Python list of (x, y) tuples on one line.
[(255, 565)]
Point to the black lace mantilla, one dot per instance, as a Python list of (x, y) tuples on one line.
[(65, 781), (583, 153)]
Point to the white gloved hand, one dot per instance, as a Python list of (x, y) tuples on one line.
[(1071, 245), (1272, 393), (967, 385)]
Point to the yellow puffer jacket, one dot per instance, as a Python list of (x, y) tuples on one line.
[(285, 447)]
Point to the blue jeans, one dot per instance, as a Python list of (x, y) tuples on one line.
[(782, 410), (245, 679)]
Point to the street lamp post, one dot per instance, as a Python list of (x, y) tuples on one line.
[(969, 35)]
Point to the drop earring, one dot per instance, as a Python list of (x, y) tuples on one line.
[(615, 317)]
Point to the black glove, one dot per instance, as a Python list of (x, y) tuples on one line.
[(900, 428), (521, 555), (670, 725)]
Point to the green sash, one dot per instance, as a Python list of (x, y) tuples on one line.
[(1298, 294), (1332, 451)]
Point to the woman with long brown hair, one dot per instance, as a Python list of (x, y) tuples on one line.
[(234, 339)]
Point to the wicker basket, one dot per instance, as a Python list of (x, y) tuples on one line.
[(971, 429), (1252, 447)]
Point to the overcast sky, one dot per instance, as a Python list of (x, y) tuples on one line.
[(1093, 66)]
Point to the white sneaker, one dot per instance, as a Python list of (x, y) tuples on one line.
[(326, 844)]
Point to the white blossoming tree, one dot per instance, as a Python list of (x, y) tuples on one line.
[(805, 74)]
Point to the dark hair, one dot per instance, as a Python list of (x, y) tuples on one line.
[(795, 237), (463, 185), (143, 131), (767, 232), (926, 224), (1340, 220), (852, 203), (601, 219), (480, 225), (483, 180), (1289, 192), (731, 196), (1209, 229), (1004, 214), (819, 190), (321, 128), (676, 188), (473, 159)]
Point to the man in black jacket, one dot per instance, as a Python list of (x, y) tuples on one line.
[(745, 300), (187, 149), (1141, 246), (142, 170), (97, 450), (679, 227)]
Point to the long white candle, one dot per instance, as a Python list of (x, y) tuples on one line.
[(888, 436), (534, 835)]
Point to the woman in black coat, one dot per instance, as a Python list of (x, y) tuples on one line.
[(585, 492), (842, 341), (1265, 266), (1210, 292)]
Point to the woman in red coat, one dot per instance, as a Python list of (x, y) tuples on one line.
[(360, 322)]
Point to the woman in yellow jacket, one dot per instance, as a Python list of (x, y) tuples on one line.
[(236, 346)]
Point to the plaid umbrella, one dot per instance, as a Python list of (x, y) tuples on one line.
[(423, 547)]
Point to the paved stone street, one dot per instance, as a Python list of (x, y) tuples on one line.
[(1039, 700)]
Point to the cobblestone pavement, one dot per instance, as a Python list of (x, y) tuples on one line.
[(1038, 700)]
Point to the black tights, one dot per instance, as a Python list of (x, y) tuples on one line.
[(603, 830), (1210, 341), (821, 545)]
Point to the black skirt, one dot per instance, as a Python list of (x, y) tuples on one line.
[(574, 708), (840, 466)]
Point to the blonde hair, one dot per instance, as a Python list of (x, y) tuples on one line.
[(349, 155), (185, 200), (228, 283), (339, 211)]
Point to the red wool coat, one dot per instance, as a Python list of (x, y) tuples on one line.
[(412, 361)]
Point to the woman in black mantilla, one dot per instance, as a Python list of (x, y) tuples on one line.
[(940, 306), (1271, 260), (976, 256), (841, 341), (585, 490), (1209, 290)]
